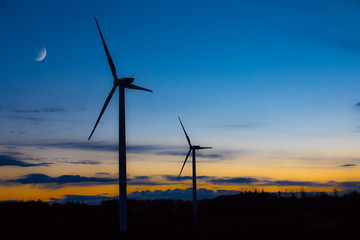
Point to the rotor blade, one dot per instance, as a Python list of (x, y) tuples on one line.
[(111, 63), (184, 162), (132, 86), (103, 109), (187, 137), (205, 148)]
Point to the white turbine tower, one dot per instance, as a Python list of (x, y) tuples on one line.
[(192, 148), (122, 84)]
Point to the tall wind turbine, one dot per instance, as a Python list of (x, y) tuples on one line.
[(192, 148), (122, 84)]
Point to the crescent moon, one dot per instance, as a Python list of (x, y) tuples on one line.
[(41, 55)]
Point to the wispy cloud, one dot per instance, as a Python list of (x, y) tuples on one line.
[(198, 154), (95, 146), (184, 194), (88, 199), (233, 180), (348, 165), (100, 178), (55, 182), (38, 119), (102, 174), (297, 183), (101, 146), (91, 162), (209, 154), (41, 110), (10, 160)]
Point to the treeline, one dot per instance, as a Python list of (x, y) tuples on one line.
[(248, 215)]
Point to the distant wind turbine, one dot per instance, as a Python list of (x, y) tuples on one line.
[(122, 84), (192, 148)]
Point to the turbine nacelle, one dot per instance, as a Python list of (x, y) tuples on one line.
[(191, 148), (123, 81), (198, 147)]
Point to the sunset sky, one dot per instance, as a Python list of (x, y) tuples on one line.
[(272, 86)]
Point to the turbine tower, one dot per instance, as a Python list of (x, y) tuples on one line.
[(122, 84), (192, 148)]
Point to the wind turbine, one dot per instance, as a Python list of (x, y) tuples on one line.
[(192, 148), (122, 84)]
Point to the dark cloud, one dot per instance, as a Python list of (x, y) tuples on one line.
[(144, 148), (184, 194), (37, 178), (92, 162), (173, 153), (154, 180), (102, 174), (297, 183), (101, 146), (198, 154), (214, 180), (94, 146), (207, 154), (11, 153), (233, 180), (348, 165), (175, 178), (10, 160), (349, 185), (42, 110), (39, 119), (210, 155), (88, 199)]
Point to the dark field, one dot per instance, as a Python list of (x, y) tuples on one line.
[(242, 216)]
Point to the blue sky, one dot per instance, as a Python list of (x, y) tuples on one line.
[(257, 80)]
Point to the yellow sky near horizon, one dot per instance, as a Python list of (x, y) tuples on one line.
[(264, 168)]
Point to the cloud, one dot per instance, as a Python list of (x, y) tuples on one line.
[(218, 155), (8, 160), (184, 194), (144, 148), (102, 174), (352, 185), (233, 180), (94, 146), (101, 146), (42, 110), (39, 119), (298, 183), (37, 178), (92, 162), (348, 165), (198, 154), (175, 178), (88, 199), (154, 180)]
